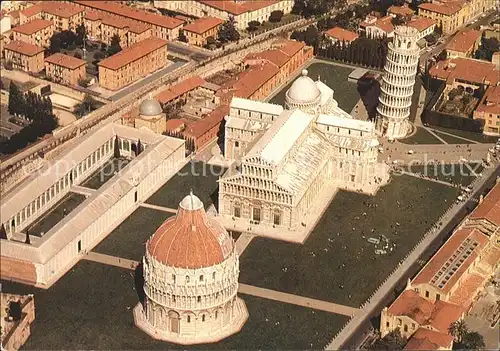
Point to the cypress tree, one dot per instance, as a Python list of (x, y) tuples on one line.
[(15, 99)]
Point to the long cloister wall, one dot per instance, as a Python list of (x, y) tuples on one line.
[(63, 245)]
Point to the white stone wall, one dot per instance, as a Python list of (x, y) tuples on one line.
[(400, 70)]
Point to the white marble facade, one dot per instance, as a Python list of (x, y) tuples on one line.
[(285, 158)]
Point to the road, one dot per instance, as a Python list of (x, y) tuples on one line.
[(164, 71), (189, 51)]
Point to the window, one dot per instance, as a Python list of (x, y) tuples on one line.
[(438, 297), (237, 211), (198, 299), (213, 275), (353, 177), (79, 245), (405, 328), (277, 217), (387, 324), (400, 322), (201, 278), (187, 279), (135, 196), (426, 293), (256, 214), (216, 314), (173, 278), (189, 319), (236, 144), (202, 317), (413, 326)]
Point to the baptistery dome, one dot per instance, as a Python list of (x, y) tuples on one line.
[(191, 271), (150, 108), (303, 93)]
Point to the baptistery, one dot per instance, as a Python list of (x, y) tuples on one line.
[(191, 270)]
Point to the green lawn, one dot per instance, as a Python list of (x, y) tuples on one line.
[(199, 177), (469, 135), (459, 173), (105, 172), (55, 214), (332, 264), (335, 77), (91, 308), (422, 136), (129, 238)]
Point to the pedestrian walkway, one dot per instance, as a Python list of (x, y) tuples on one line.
[(111, 260), (243, 288), (297, 300), (82, 190), (243, 241), (430, 130), (427, 178), (159, 208), (435, 135)]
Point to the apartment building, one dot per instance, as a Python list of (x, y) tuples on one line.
[(425, 26), (162, 27), (102, 27), (201, 29), (37, 32), (464, 43), (452, 14), (133, 63), (466, 72), (24, 56), (64, 15), (65, 69), (488, 110), (377, 27), (241, 11)]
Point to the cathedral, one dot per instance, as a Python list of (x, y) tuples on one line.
[(284, 159)]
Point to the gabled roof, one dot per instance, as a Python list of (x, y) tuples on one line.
[(467, 69), (447, 9), (23, 48), (203, 25), (32, 26), (341, 34), (421, 23), (133, 53), (179, 89), (464, 41), (65, 61), (425, 339), (490, 207)]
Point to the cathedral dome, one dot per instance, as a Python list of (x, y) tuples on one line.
[(190, 239), (150, 107), (303, 90)]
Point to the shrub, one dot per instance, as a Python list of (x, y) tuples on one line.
[(84, 82), (276, 16), (77, 54), (99, 55), (253, 25)]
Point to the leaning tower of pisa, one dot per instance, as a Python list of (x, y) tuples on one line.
[(393, 110)]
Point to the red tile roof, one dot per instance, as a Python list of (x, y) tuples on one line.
[(341, 34), (32, 10), (401, 10), (289, 47), (446, 9), (61, 9), (202, 126), (235, 8), (23, 48), (133, 53), (489, 103), (490, 207), (179, 89), (190, 240), (476, 71), (464, 41), (421, 23), (425, 339), (65, 61), (32, 26), (384, 23), (13, 14), (439, 314), (174, 124), (203, 25), (121, 22), (451, 246), (278, 57), (138, 15)]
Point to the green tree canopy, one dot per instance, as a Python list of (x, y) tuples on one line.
[(114, 47), (228, 32), (392, 341)]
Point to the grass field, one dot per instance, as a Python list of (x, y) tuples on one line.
[(335, 77), (422, 136), (332, 264), (55, 214), (129, 238), (199, 177), (105, 173), (91, 308), (460, 173)]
